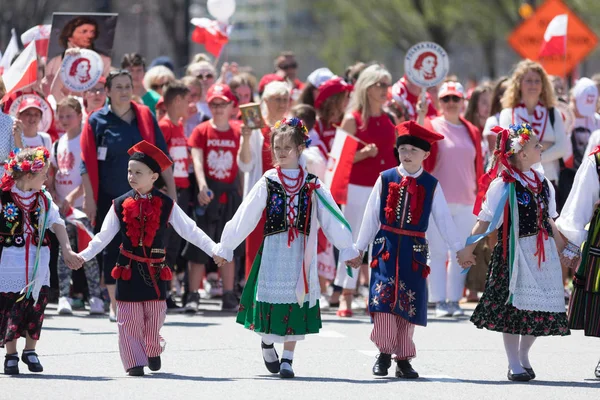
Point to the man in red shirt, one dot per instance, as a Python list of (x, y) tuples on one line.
[(215, 145), (286, 66), (408, 93), (176, 97)]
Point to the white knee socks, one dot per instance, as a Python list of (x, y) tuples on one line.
[(511, 345), (270, 355), (526, 343)]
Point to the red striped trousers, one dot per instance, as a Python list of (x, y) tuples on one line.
[(393, 335), (139, 331)]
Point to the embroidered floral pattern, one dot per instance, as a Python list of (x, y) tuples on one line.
[(392, 202), (275, 204), (11, 212)]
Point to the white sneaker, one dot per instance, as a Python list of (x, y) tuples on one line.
[(324, 301), (96, 306), (213, 287), (441, 310), (454, 309), (64, 306)]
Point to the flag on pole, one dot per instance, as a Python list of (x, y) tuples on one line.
[(84, 235), (40, 34), (339, 165), (11, 50), (555, 38), (212, 34), (23, 72)]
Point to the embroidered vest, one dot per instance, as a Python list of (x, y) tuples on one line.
[(528, 210), (277, 200), (12, 224), (400, 202)]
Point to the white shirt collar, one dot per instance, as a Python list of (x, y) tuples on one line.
[(404, 172)]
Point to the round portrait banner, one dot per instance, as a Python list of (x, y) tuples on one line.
[(47, 114), (426, 64), (81, 71)]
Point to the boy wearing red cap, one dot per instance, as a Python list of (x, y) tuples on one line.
[(142, 216), (395, 223)]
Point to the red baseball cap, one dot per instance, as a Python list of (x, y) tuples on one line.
[(451, 89), (265, 80), (30, 102), (221, 91), (331, 87)]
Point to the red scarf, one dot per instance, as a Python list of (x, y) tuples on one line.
[(89, 151)]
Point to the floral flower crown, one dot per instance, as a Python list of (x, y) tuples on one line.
[(295, 123), (35, 162), (524, 133)]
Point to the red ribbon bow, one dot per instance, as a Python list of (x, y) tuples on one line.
[(412, 188)]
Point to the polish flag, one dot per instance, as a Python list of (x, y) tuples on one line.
[(84, 236), (23, 72), (339, 166), (212, 34), (41, 35), (11, 50), (555, 38)]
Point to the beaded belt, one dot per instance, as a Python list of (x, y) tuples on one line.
[(402, 231)]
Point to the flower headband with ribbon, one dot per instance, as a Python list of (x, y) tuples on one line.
[(33, 163), (295, 123)]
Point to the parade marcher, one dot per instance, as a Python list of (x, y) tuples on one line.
[(581, 209), (408, 93), (28, 211), (205, 72), (529, 99), (194, 116), (313, 82), (478, 110), (587, 120), (29, 115), (494, 119), (280, 301), (141, 216), (395, 221), (95, 98), (67, 190), (523, 297), (286, 66), (157, 77), (136, 65), (369, 123), (8, 139), (457, 164), (106, 136), (215, 144), (254, 157)]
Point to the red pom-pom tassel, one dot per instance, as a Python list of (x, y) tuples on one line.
[(116, 272), (426, 271), (166, 274), (126, 274), (374, 263), (385, 256)]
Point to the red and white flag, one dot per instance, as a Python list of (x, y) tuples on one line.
[(212, 34), (40, 34), (11, 50), (84, 236), (339, 165), (23, 72), (555, 38)]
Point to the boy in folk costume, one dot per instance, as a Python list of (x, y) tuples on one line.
[(281, 298), (395, 223), (580, 208), (524, 294), (141, 216)]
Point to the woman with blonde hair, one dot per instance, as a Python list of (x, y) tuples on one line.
[(530, 99), (367, 121), (157, 77), (254, 157)]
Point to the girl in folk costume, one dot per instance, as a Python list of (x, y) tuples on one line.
[(523, 297), (141, 216), (395, 222), (530, 99), (580, 208), (281, 299), (27, 211)]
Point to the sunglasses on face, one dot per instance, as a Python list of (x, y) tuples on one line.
[(288, 66), (446, 99), (204, 77), (382, 85)]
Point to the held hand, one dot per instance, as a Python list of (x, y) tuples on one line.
[(205, 196), (17, 127), (220, 261), (465, 258), (73, 51), (371, 150), (246, 131), (355, 262), (72, 259)]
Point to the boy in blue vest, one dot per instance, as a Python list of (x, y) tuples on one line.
[(141, 216), (395, 223)]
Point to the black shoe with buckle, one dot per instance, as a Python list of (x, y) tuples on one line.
[(33, 362), (154, 363), (382, 364), (286, 372), (14, 369), (522, 377), (274, 366), (530, 371), (405, 370), (136, 371)]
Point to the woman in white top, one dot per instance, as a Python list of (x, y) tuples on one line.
[(254, 156), (29, 116), (530, 98)]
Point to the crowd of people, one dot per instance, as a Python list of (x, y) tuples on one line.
[(223, 171)]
